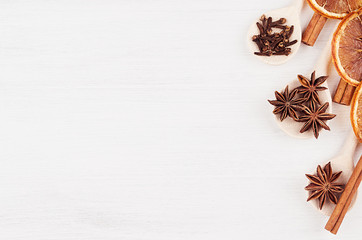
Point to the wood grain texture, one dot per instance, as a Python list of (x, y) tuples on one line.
[(148, 120)]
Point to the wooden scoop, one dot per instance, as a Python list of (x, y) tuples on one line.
[(292, 127), (342, 162), (291, 14)]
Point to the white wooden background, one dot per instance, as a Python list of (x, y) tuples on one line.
[(148, 120)]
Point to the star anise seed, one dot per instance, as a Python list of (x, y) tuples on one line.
[(315, 118), (286, 104), (309, 89), (323, 186)]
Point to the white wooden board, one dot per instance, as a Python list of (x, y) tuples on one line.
[(149, 120)]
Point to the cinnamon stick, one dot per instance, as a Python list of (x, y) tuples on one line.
[(345, 209), (313, 29), (344, 202), (344, 93)]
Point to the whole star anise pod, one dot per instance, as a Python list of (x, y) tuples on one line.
[(323, 186), (315, 118), (286, 104), (309, 89)]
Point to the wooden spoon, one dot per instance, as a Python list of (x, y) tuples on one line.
[(342, 162), (292, 127), (291, 14)]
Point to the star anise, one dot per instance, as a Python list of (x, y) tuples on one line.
[(309, 89), (323, 186), (315, 118), (286, 104)]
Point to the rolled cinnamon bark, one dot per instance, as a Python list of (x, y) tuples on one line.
[(344, 202), (313, 29), (348, 203), (344, 93)]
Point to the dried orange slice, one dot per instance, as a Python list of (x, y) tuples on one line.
[(347, 48), (335, 8), (356, 112)]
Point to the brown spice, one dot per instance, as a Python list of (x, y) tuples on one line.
[(272, 42), (302, 104), (315, 118), (310, 88), (313, 29), (345, 200), (344, 93), (287, 104), (323, 186)]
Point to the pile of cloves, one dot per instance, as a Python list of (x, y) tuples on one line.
[(273, 42)]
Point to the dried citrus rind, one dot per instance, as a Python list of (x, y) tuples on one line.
[(335, 8), (347, 48), (356, 113)]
